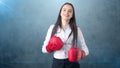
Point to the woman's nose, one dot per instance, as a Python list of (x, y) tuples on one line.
[(66, 12)]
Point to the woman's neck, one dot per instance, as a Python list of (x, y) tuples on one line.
[(65, 23)]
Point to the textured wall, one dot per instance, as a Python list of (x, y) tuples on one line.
[(24, 23)]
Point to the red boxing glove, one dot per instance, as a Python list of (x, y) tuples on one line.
[(48, 48), (75, 54), (83, 54), (55, 43)]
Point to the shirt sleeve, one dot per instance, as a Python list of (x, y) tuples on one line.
[(47, 38), (81, 41)]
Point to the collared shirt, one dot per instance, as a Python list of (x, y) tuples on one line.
[(63, 34)]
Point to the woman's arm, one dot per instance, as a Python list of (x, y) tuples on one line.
[(81, 41), (47, 38)]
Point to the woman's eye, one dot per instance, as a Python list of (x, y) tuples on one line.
[(70, 11)]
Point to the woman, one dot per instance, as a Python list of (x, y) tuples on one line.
[(66, 29)]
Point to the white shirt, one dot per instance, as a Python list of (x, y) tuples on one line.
[(63, 34)]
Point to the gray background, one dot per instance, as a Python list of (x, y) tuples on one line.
[(24, 23)]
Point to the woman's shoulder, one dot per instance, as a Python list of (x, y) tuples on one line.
[(78, 28), (51, 26)]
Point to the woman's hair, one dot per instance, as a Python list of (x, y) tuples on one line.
[(72, 23)]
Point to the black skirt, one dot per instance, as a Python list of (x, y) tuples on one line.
[(64, 63)]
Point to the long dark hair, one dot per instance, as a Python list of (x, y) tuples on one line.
[(72, 23)]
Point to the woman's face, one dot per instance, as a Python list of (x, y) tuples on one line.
[(66, 12)]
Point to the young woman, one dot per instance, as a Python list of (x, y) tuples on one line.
[(66, 29)]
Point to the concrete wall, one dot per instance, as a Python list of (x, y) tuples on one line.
[(24, 23)]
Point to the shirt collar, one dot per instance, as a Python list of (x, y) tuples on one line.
[(66, 28)]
